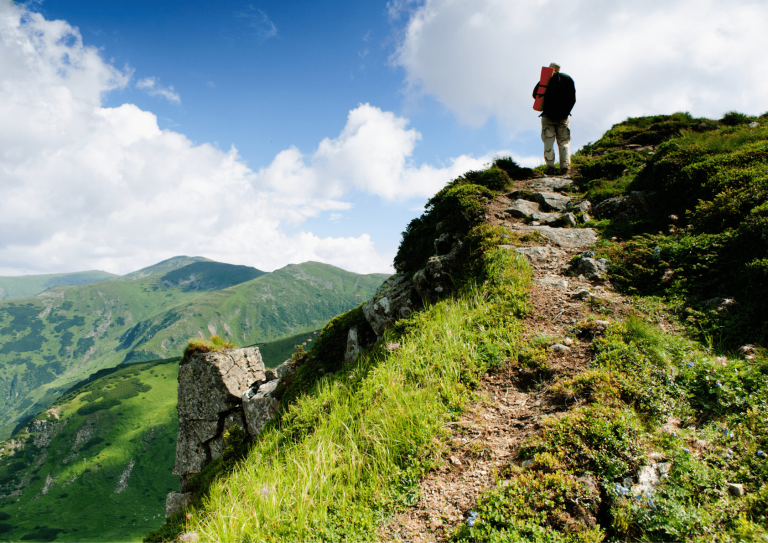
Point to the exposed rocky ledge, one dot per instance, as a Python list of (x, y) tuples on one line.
[(216, 391)]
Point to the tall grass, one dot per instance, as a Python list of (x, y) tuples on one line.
[(352, 453)]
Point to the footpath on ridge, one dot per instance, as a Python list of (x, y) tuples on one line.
[(512, 406)]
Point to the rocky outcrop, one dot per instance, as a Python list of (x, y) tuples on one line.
[(632, 206), (217, 391), (396, 298)]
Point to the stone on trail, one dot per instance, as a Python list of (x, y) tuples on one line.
[(546, 218), (551, 200), (552, 184), (569, 219), (522, 209), (736, 489), (592, 268), (567, 238), (537, 254)]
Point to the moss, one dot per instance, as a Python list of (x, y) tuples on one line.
[(196, 345)]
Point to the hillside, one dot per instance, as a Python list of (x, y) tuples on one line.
[(82, 447), (589, 370), (32, 285), (55, 339)]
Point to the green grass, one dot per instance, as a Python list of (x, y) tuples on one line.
[(276, 352), (82, 504), (641, 376), (351, 449), (716, 183)]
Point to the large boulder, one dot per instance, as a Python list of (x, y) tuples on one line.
[(632, 206), (211, 386), (522, 209), (396, 298), (551, 201)]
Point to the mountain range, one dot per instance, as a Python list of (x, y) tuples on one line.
[(66, 332)]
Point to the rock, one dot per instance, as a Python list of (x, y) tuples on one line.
[(584, 207), (538, 254), (176, 501), (396, 298), (435, 524), (568, 219), (581, 294), (568, 341), (735, 489), (592, 268), (260, 406), (445, 243), (585, 218), (559, 348), (647, 479), (211, 386), (671, 425), (436, 278), (189, 537), (552, 282), (551, 200), (546, 218), (719, 304), (753, 124), (632, 206), (353, 346), (522, 209), (571, 238), (552, 184), (590, 482), (455, 460)]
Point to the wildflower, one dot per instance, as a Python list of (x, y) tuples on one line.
[(656, 251), (689, 364), (472, 517), (687, 451), (761, 454), (674, 434), (718, 384)]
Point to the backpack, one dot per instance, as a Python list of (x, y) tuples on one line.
[(560, 97)]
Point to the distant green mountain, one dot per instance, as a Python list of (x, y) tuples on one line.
[(51, 341), (31, 285), (166, 266)]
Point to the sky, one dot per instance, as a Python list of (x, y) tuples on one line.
[(269, 133)]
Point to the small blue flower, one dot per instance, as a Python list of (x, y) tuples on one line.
[(656, 253), (761, 454), (472, 517), (717, 384), (689, 364), (674, 434), (687, 451)]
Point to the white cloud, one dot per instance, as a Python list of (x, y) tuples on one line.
[(89, 187), (259, 22), (153, 88), (481, 58)]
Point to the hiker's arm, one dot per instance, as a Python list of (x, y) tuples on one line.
[(535, 90)]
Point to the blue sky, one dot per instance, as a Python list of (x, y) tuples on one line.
[(265, 133)]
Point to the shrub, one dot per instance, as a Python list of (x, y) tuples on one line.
[(512, 168), (733, 118)]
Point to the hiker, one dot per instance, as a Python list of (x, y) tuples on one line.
[(559, 99)]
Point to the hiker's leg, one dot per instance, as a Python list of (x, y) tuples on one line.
[(548, 137), (564, 143)]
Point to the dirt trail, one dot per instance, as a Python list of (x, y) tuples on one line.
[(488, 436)]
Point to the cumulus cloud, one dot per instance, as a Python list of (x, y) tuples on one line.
[(153, 88), (89, 187), (481, 58)]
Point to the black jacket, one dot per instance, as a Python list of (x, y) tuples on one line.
[(560, 96)]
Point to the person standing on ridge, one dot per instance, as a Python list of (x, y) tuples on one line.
[(559, 99)]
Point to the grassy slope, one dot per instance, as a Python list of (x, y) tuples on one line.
[(43, 352), (161, 268), (353, 441), (276, 352), (32, 285), (643, 377), (350, 450), (142, 428)]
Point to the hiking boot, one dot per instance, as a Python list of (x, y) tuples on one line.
[(565, 171), (551, 170)]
